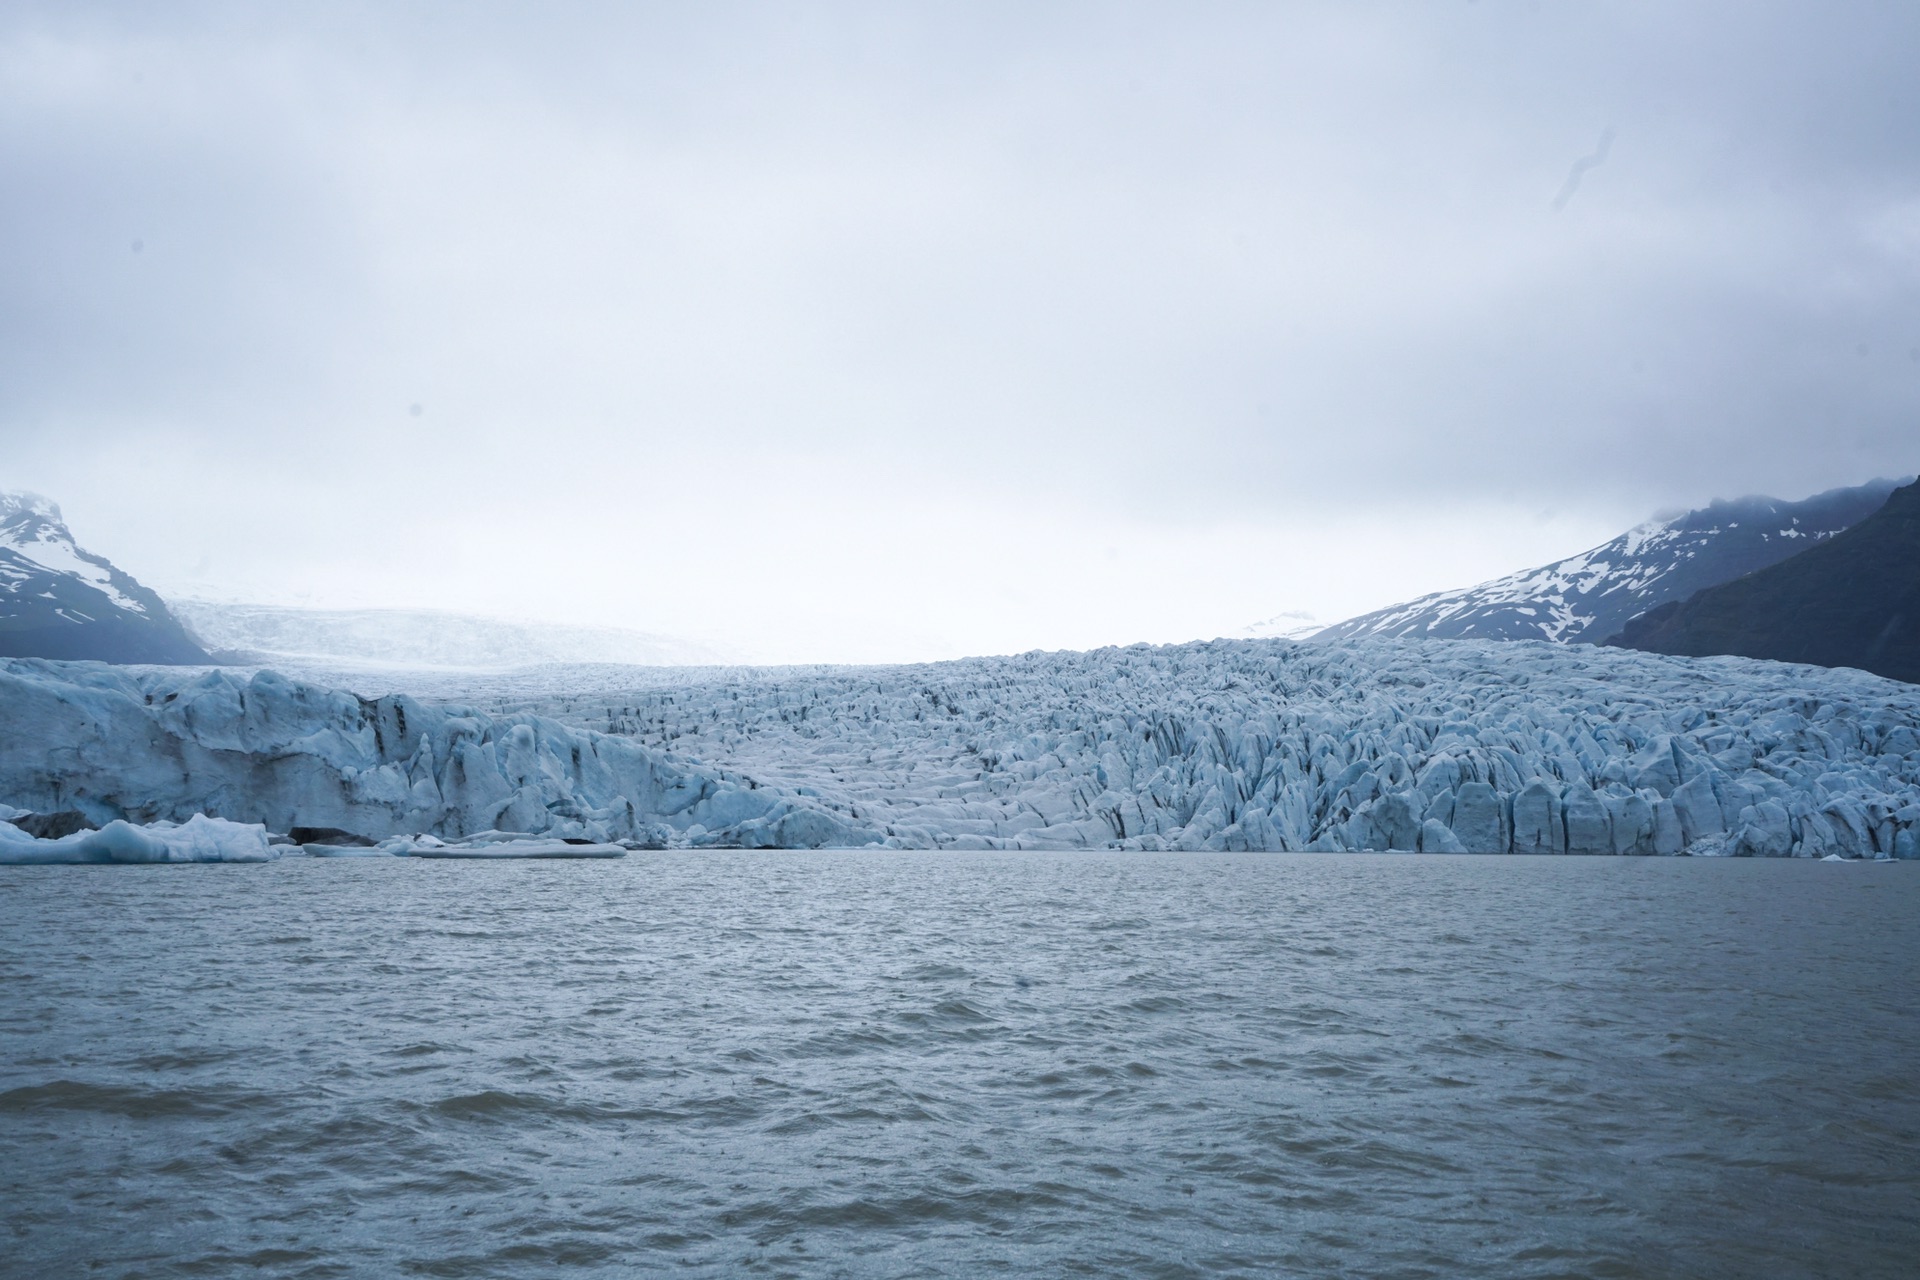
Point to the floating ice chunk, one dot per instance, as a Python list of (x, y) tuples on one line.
[(345, 851), (199, 839), (515, 849)]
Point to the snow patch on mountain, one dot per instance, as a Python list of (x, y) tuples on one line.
[(58, 600)]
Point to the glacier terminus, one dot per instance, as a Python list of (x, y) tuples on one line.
[(1437, 747)]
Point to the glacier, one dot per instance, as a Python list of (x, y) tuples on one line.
[(1457, 746)]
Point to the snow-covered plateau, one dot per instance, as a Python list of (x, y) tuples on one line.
[(1461, 746), (421, 638)]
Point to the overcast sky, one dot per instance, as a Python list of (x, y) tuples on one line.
[(903, 331)]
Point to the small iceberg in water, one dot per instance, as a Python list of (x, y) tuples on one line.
[(493, 845), (519, 849), (24, 841), (198, 839)]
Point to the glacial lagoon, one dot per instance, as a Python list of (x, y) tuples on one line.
[(898, 1064)]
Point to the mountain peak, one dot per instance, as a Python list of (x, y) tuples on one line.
[(21, 507), (1591, 596), (58, 600)]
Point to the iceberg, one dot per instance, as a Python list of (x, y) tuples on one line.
[(204, 839), (544, 850), (199, 839)]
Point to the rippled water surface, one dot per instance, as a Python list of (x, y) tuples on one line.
[(918, 1064)]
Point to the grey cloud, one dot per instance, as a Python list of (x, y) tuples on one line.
[(1146, 259)]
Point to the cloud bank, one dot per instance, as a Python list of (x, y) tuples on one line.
[(865, 333)]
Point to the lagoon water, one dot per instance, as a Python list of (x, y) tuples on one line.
[(856, 1063)]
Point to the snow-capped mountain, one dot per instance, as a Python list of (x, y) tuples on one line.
[(1591, 596), (60, 601), (420, 638), (1847, 601)]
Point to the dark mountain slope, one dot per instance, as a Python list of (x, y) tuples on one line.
[(1850, 601)]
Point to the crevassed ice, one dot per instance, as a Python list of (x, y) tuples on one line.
[(1517, 746), (1257, 744), (163, 743)]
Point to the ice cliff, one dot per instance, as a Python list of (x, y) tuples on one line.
[(152, 744)]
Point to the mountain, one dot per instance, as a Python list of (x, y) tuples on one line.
[(1850, 601), (59, 601), (1589, 597), (418, 638)]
